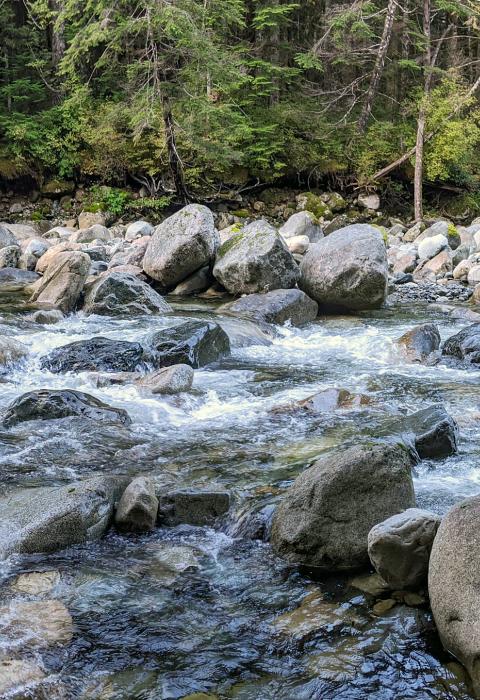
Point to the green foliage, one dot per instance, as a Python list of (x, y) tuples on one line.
[(109, 199)]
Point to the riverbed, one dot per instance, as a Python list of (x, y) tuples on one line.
[(190, 610)]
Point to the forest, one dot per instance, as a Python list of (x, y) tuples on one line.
[(196, 97)]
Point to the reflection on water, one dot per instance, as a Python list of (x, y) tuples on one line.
[(187, 610)]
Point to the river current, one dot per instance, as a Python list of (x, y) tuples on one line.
[(190, 610)]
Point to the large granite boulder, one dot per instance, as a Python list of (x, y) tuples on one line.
[(464, 345), (420, 342), (324, 519), (453, 585), (121, 294), (51, 404), (95, 354), (180, 245), (278, 306), (348, 269), (399, 547), (256, 259), (194, 343), (63, 281), (47, 519)]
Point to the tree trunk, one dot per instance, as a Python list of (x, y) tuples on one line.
[(419, 147), (379, 66), (174, 160), (57, 34)]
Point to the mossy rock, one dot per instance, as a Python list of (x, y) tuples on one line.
[(315, 205), (336, 202), (241, 213), (57, 188)]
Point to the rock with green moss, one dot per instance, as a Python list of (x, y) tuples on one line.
[(255, 260), (57, 188), (336, 202), (308, 201), (347, 270), (181, 245), (444, 228)]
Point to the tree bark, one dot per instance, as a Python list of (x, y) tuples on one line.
[(422, 115), (174, 160), (379, 66)]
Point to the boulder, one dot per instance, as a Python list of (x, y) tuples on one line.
[(63, 281), (196, 283), (96, 354), (121, 294), (47, 519), (96, 232), (45, 316), (48, 257), (473, 275), (303, 223), (347, 269), (132, 256), (279, 306), (399, 547), (453, 577), (168, 380), (51, 404), (59, 232), (438, 266), (432, 432), (298, 245), (255, 260), (6, 237), (22, 231), (137, 230), (138, 506), (13, 280), (461, 270), (406, 261), (11, 351), (464, 345), (420, 342), (90, 218), (369, 201), (194, 343), (324, 519), (9, 256), (428, 248), (180, 245), (192, 507), (442, 228)]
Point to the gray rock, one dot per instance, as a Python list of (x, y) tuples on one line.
[(63, 281), (95, 354), (196, 283), (13, 280), (138, 506), (180, 245), (420, 342), (347, 269), (96, 232), (133, 255), (255, 260), (51, 404), (369, 201), (168, 380), (6, 237), (303, 223), (121, 294), (192, 507), (399, 547), (278, 306), (45, 316), (137, 230), (464, 345), (194, 343), (453, 578), (432, 432), (49, 519), (9, 256), (11, 351), (324, 519), (442, 228)]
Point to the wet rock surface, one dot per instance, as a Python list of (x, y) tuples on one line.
[(101, 354), (192, 343), (279, 306), (123, 294)]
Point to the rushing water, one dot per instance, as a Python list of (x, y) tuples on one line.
[(190, 610)]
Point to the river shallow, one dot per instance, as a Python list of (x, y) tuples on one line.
[(198, 610)]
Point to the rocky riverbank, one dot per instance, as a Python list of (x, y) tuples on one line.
[(354, 506)]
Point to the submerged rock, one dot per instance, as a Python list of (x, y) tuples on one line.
[(50, 404), (121, 294), (17, 673), (347, 269), (279, 306), (419, 343), (168, 380), (433, 431), (11, 351), (399, 547), (36, 582), (63, 281), (192, 507), (49, 518), (180, 245), (255, 260), (324, 519), (453, 578), (36, 623), (46, 316), (194, 343), (96, 354), (326, 401), (138, 506), (465, 345)]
